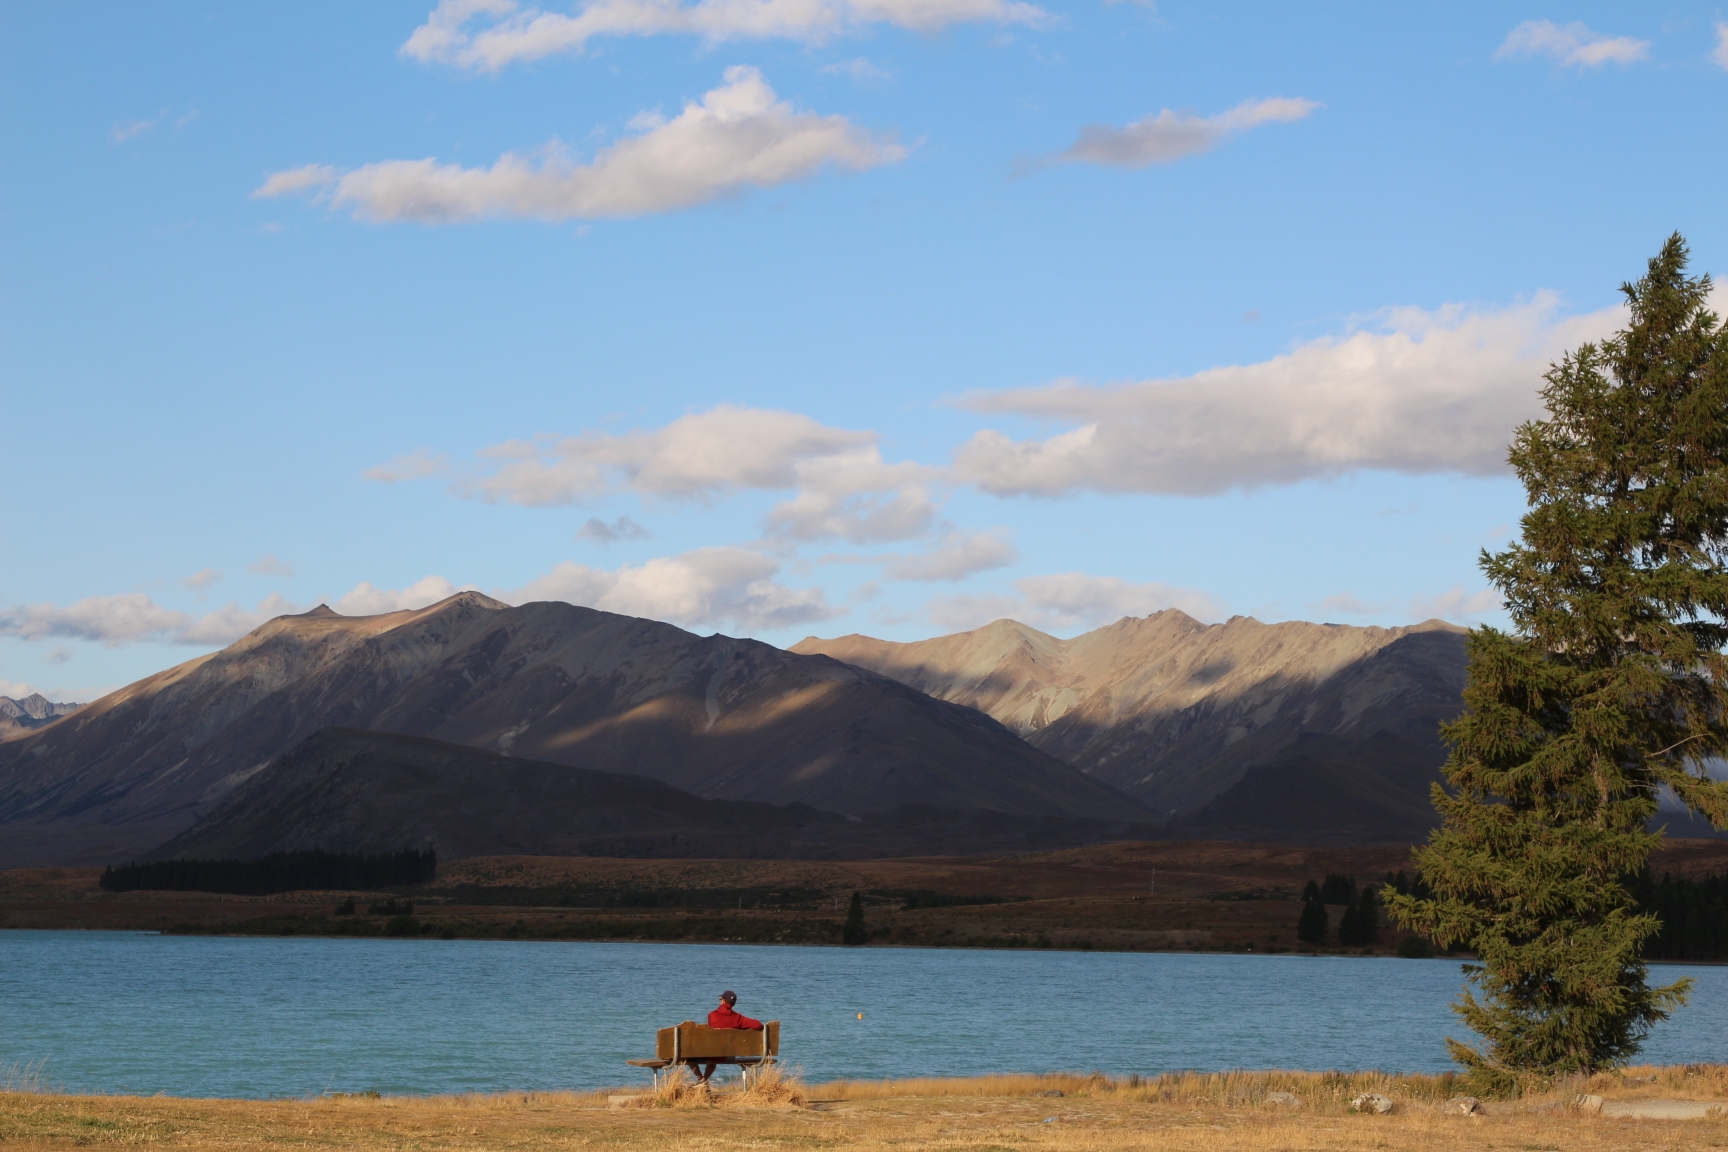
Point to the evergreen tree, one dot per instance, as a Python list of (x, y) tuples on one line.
[(1311, 894), (1338, 889), (855, 932), (1350, 927), (1312, 926), (1611, 685), (1368, 918)]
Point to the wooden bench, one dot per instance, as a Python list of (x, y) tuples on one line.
[(751, 1049)]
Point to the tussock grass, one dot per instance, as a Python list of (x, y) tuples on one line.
[(1179, 1112), (772, 1087), (26, 1076)]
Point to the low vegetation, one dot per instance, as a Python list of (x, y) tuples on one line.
[(1249, 1111)]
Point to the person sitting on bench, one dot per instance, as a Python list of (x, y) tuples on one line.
[(725, 1016)]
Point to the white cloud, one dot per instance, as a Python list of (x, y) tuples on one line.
[(132, 618), (1571, 44), (1172, 135), (598, 531), (230, 622), (124, 132), (859, 69), (508, 33), (1720, 55), (410, 467), (1346, 604), (1456, 605), (59, 654), (1070, 602), (270, 565), (366, 599), (739, 136), (954, 558), (705, 588), (201, 580), (844, 488), (307, 178), (16, 689), (1426, 392)]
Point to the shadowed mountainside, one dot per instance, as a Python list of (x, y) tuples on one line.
[(716, 716), (345, 790), (1207, 723)]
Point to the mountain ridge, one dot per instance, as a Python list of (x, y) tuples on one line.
[(721, 717), (1176, 712)]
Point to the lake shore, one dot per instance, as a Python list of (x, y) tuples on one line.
[(1060, 1113), (1190, 896)]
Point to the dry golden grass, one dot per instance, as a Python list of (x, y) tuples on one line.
[(1175, 1113)]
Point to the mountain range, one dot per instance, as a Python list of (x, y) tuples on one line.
[(32, 711), (1212, 726), (549, 728), (717, 717)]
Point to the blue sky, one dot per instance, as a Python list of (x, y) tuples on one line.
[(777, 317)]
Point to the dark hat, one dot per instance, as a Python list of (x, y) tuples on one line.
[(729, 997)]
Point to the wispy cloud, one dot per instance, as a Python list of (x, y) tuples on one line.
[(858, 69), (842, 487), (706, 588), (201, 580), (270, 565), (1069, 602), (413, 466), (955, 557), (1170, 136), (1421, 392), (1720, 55), (598, 531), (488, 35), (1571, 44), (121, 133), (739, 136), (133, 618), (366, 599)]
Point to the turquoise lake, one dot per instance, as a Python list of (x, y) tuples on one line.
[(199, 1016)]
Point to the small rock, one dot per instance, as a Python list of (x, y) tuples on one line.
[(1587, 1103), (1372, 1102), (1461, 1106), (1284, 1099), (1052, 1092)]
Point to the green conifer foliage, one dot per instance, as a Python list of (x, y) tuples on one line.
[(1611, 685), (854, 932), (1313, 924), (1350, 927), (1368, 918)]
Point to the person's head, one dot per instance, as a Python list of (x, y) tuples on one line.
[(729, 998)]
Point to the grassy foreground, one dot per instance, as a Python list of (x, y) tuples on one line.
[(1183, 1111)]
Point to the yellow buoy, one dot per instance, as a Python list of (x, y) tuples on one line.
[(860, 1015)]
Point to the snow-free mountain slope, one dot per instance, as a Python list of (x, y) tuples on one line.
[(716, 716), (1174, 711), (346, 790)]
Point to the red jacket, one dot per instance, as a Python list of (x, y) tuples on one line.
[(725, 1017)]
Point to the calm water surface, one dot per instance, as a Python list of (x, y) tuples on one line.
[(196, 1016)]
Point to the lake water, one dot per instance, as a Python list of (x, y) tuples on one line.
[(201, 1016)]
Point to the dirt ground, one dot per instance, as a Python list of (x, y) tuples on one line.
[(1236, 1111), (1131, 896)]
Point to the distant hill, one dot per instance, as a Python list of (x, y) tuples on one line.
[(31, 712), (718, 717), (345, 790), (1296, 732)]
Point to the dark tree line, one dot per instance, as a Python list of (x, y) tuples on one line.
[(1357, 927), (277, 872), (1694, 915)]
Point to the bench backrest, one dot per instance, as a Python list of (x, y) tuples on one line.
[(692, 1041)]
